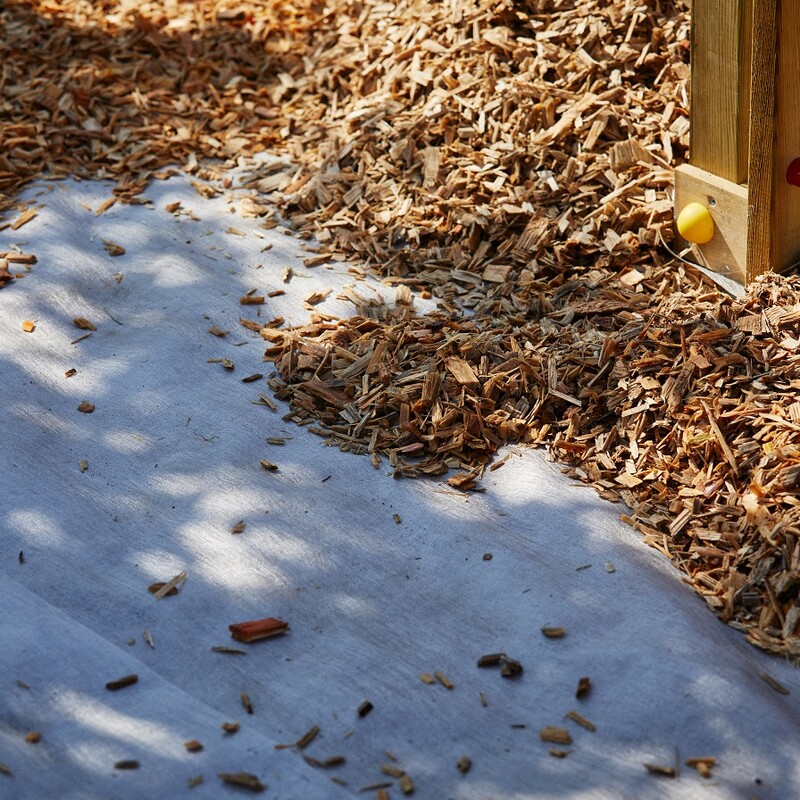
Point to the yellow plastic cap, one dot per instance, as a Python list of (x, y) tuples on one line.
[(695, 224)]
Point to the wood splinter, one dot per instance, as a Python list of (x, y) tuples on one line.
[(257, 629)]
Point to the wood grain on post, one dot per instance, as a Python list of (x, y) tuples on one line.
[(721, 45), (786, 198), (763, 113)]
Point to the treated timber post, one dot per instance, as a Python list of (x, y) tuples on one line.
[(783, 250), (745, 136), (720, 109)]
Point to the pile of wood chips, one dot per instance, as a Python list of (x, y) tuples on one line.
[(512, 160)]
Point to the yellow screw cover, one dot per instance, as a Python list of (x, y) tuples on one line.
[(695, 224)]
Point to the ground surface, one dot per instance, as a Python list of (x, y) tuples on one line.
[(173, 449)]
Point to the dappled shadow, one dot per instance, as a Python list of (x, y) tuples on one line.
[(372, 602), (105, 90), (173, 448)]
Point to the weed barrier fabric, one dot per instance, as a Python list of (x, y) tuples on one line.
[(513, 160), (381, 581)]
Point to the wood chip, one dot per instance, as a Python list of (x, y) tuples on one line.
[(555, 735), (462, 372), (773, 684), (112, 248), (263, 400), (327, 763), (662, 771), (491, 660), (159, 585), (121, 683), (584, 687), (231, 727), (231, 651), (195, 781), (464, 764), (215, 331), (239, 527), (24, 218), (406, 784), (84, 324), (269, 466), (129, 763), (554, 633), (33, 737), (582, 721), (364, 708), (252, 300), (307, 737), (702, 765), (244, 780), (510, 668), (444, 680), (226, 363), (86, 407), (171, 584), (426, 677), (193, 746), (315, 298), (105, 205), (258, 629), (246, 703), (28, 326)]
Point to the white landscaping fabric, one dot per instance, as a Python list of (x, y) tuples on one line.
[(173, 449)]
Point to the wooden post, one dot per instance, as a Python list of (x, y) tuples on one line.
[(763, 135), (745, 134), (786, 196), (720, 109)]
